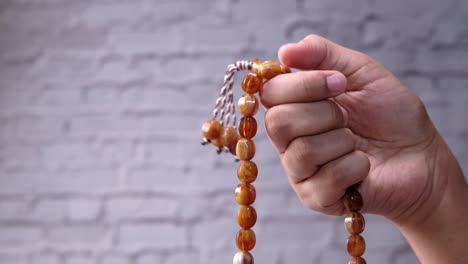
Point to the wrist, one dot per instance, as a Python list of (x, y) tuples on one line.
[(438, 231)]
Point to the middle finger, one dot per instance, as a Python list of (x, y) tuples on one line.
[(286, 122)]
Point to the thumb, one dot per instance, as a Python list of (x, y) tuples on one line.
[(317, 53)]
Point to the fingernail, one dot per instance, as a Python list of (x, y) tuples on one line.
[(336, 84)]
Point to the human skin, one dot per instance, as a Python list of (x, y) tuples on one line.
[(345, 120)]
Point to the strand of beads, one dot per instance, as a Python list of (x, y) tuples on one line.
[(354, 224), (223, 135), (247, 172)]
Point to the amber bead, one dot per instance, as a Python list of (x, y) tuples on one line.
[(211, 129), (246, 239), (352, 200), (252, 83), (285, 69), (248, 127), (245, 149), (355, 223), (356, 245), (357, 260), (217, 142), (246, 217), (228, 136), (247, 171), (248, 105), (232, 148), (256, 67), (270, 69), (245, 194), (243, 257)]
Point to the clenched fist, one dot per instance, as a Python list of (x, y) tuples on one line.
[(344, 120)]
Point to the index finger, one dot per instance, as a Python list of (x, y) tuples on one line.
[(301, 87)]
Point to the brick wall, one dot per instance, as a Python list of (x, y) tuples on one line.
[(101, 103)]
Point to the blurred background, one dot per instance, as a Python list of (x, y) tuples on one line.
[(101, 103)]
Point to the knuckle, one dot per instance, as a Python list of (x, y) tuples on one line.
[(303, 150), (276, 122), (334, 113), (365, 160), (328, 207), (332, 175), (349, 137)]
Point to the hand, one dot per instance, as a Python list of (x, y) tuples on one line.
[(347, 120)]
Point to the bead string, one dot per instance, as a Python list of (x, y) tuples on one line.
[(223, 134), (354, 224), (226, 92)]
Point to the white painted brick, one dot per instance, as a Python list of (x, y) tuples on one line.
[(113, 18), (44, 258), (442, 61), (313, 233), (80, 259), (49, 211), (61, 210), (301, 254), (396, 60), (417, 8), (39, 126), (183, 257), (66, 65), (114, 259), (79, 210), (149, 258), (11, 210), (215, 234), (54, 96), (405, 32), (91, 236), (134, 237), (95, 180), (156, 177), (335, 8), (20, 235), (140, 207), (13, 258)]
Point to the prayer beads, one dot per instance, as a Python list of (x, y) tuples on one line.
[(354, 223), (221, 132)]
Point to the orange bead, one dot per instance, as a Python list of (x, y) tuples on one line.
[(285, 69), (355, 223), (246, 217), (246, 239), (248, 127), (217, 142), (211, 129), (232, 148), (352, 200), (268, 69), (252, 83), (245, 149), (245, 194), (243, 257), (256, 67), (228, 136), (248, 105), (247, 171), (357, 260), (356, 245)]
